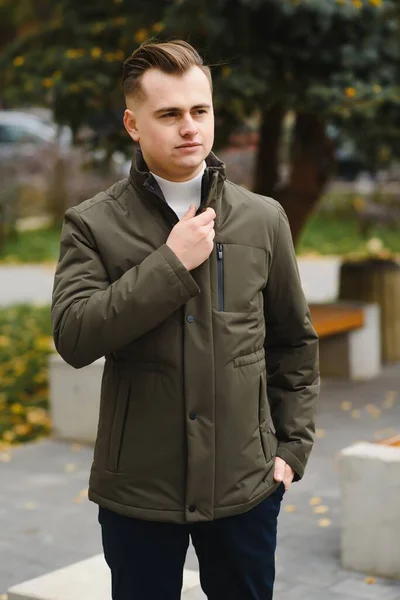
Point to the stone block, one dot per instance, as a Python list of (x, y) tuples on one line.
[(370, 508), (354, 354), (87, 580), (75, 399)]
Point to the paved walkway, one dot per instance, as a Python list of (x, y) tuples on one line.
[(46, 522)]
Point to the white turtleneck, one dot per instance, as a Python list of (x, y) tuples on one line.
[(180, 195)]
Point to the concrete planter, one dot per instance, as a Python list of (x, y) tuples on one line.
[(370, 498), (75, 399)]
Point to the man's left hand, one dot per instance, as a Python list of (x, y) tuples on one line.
[(283, 472)]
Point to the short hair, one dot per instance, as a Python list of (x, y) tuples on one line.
[(175, 57)]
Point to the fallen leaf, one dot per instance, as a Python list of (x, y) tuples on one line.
[(356, 414), (373, 410), (324, 522), (290, 508), (30, 505), (320, 433), (346, 405), (390, 399), (4, 597), (321, 510), (370, 580), (5, 457), (76, 447), (81, 496), (315, 501), (70, 468)]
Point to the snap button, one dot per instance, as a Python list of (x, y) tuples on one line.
[(190, 318), (192, 416), (192, 508)]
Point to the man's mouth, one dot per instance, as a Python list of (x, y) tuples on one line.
[(190, 145)]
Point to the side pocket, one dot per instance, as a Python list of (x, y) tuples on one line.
[(262, 418), (118, 425)]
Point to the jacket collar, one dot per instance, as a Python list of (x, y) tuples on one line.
[(212, 184)]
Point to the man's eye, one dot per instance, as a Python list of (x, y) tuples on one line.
[(168, 115), (201, 111)]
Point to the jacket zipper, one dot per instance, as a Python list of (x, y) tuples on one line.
[(220, 265)]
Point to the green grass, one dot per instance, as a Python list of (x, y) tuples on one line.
[(35, 246), (322, 235), (334, 235)]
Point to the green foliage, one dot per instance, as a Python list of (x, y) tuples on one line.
[(334, 57), (32, 246), (25, 345)]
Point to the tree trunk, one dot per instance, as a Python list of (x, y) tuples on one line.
[(312, 163), (267, 159)]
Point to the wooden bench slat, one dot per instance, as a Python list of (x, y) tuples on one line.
[(331, 319)]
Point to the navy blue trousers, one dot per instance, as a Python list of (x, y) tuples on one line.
[(236, 554)]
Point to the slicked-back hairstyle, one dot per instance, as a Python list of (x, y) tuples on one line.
[(175, 58)]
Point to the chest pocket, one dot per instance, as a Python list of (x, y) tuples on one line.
[(241, 276)]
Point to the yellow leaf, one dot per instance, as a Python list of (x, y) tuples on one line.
[(373, 410), (324, 522), (289, 508), (390, 399), (320, 433), (356, 414), (18, 61), (96, 52), (76, 447), (321, 510), (158, 27), (3, 596), (4, 341), (30, 505), (141, 35), (346, 405), (70, 468), (5, 457), (315, 501), (370, 580)]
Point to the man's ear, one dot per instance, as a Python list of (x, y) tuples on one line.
[(131, 125)]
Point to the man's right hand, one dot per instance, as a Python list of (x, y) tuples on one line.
[(192, 239)]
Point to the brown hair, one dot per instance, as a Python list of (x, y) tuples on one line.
[(175, 57)]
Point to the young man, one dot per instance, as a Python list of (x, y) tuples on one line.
[(188, 285)]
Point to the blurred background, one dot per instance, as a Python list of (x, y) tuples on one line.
[(307, 103)]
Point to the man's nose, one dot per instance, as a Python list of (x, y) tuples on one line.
[(188, 126)]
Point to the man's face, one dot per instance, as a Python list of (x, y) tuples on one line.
[(173, 122)]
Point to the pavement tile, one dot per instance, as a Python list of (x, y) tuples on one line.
[(359, 589), (43, 528)]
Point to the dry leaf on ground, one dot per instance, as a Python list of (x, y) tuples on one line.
[(356, 414), (289, 508), (346, 405), (321, 510), (370, 580), (320, 433), (324, 522), (315, 501), (70, 468)]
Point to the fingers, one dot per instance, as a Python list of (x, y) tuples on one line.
[(279, 470), (190, 213), (206, 217)]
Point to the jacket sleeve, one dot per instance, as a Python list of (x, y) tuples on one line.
[(92, 317), (291, 350)]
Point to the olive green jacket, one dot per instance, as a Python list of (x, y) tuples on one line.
[(209, 374)]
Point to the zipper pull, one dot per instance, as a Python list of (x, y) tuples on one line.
[(220, 251)]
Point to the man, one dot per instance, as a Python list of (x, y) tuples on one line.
[(188, 285)]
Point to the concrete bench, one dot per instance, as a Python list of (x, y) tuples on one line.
[(370, 504), (87, 580), (349, 335)]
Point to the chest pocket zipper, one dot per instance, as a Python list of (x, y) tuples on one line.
[(220, 269)]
